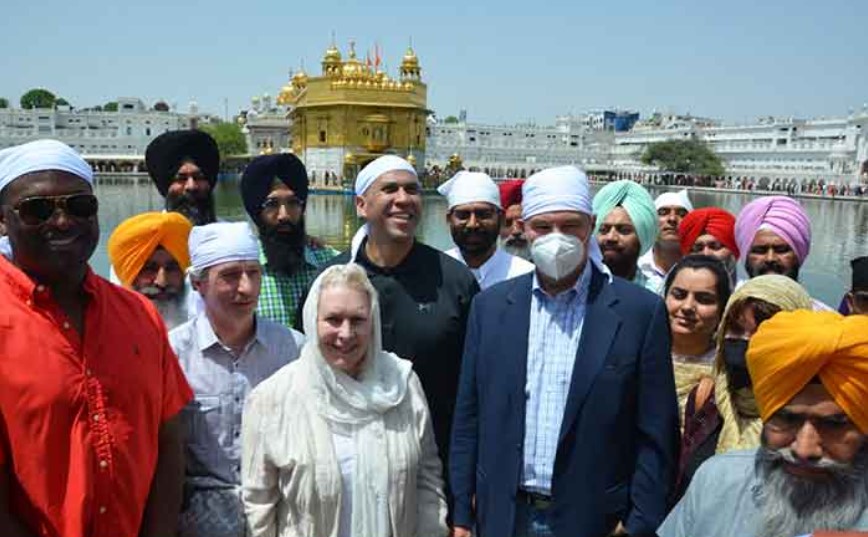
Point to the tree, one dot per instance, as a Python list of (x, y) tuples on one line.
[(38, 98), (161, 106), (62, 102), (450, 119), (683, 156), (111, 106), (4, 102), (230, 140)]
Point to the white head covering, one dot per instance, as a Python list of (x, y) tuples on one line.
[(376, 168), (673, 199), (359, 404), (40, 156), (222, 242), (5, 247), (470, 187), (564, 188), (366, 177)]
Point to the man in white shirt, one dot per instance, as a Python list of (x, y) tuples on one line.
[(475, 217), (671, 209), (225, 351)]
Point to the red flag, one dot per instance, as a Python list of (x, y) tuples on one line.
[(368, 60), (377, 55)]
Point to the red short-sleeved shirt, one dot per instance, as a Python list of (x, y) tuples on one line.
[(79, 417)]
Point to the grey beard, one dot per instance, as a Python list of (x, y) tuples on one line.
[(791, 505), (522, 251), (173, 311)]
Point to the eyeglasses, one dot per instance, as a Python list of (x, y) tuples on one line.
[(785, 422), (39, 209), (274, 204)]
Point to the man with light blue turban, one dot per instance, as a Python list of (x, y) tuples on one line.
[(626, 228)]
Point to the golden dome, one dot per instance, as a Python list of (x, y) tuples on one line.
[(410, 58), (411, 159), (299, 79), (332, 55)]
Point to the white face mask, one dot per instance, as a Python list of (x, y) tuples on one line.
[(557, 255)]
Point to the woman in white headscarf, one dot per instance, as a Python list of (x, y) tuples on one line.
[(339, 443)]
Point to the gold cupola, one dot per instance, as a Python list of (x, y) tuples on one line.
[(331, 61), (353, 68), (410, 69)]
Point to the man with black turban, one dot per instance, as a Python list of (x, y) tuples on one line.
[(184, 166), (274, 191)]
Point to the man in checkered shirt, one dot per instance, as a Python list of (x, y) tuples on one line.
[(274, 191)]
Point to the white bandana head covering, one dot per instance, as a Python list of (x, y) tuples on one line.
[(470, 187), (360, 403), (40, 156), (366, 177), (673, 199), (564, 188), (222, 242), (376, 168)]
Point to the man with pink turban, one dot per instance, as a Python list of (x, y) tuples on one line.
[(773, 234)]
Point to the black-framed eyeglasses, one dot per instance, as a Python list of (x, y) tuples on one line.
[(274, 204), (40, 209)]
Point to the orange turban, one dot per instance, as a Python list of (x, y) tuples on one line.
[(793, 347), (136, 238)]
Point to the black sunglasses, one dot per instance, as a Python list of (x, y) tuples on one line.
[(40, 209)]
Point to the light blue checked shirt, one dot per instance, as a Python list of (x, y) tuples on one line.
[(553, 340)]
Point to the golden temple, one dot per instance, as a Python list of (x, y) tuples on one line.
[(355, 112)]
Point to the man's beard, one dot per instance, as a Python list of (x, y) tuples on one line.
[(283, 246), (515, 246), (486, 240), (771, 267), (172, 309), (793, 505), (620, 263), (199, 211)]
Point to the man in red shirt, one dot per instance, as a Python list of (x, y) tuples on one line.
[(90, 390)]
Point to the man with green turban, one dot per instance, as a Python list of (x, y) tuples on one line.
[(626, 228)]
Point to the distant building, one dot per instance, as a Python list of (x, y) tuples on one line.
[(266, 126), (835, 148), (518, 150), (110, 141)]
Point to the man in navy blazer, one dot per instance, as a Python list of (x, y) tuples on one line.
[(566, 422)]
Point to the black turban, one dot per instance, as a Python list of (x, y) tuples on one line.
[(860, 273), (168, 151), (260, 174)]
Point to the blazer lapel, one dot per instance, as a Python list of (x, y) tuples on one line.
[(515, 325), (598, 330)]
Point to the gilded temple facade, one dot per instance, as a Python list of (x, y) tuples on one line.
[(355, 112)]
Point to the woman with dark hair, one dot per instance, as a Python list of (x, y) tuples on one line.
[(696, 291)]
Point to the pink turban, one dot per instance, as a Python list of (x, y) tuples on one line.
[(780, 215)]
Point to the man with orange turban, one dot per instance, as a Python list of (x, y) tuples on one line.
[(711, 231), (148, 253), (810, 378)]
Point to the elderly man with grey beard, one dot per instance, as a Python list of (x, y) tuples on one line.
[(810, 376)]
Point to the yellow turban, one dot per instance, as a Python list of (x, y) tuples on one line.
[(136, 238), (793, 347)]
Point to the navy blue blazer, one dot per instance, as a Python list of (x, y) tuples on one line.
[(618, 446)]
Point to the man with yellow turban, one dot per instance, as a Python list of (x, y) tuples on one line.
[(626, 228), (148, 253), (810, 378)]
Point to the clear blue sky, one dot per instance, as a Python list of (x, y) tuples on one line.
[(502, 61)]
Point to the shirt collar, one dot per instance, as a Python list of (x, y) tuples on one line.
[(406, 264), (581, 286), (206, 338), (309, 257), (28, 289)]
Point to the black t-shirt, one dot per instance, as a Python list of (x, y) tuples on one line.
[(424, 304)]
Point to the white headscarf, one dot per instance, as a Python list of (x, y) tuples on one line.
[(221, 242), (40, 156), (359, 404), (470, 187), (366, 177), (564, 188), (673, 199)]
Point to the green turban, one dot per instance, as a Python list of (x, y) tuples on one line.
[(639, 206)]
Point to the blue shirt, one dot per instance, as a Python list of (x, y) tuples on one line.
[(552, 343)]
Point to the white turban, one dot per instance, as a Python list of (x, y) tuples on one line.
[(366, 177), (673, 199), (376, 168), (222, 242), (40, 156), (564, 188), (470, 187)]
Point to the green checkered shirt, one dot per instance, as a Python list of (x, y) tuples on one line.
[(280, 294)]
